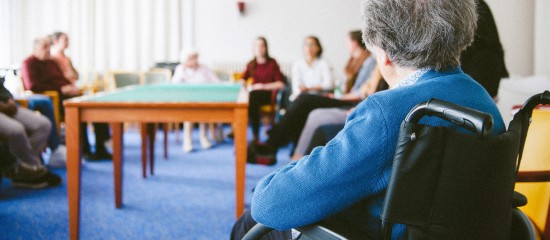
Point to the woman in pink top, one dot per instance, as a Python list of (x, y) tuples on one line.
[(191, 71), (60, 42)]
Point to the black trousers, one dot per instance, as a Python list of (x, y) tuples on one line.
[(102, 134), (256, 100), (290, 126), (246, 222)]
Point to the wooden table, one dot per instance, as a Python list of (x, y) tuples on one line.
[(147, 104)]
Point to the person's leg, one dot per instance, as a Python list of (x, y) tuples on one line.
[(205, 143), (255, 101), (43, 104), (315, 119), (30, 132), (323, 134), (84, 140), (102, 134), (187, 140), (245, 223), (291, 124)]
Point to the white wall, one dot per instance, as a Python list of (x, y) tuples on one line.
[(104, 34), (515, 22), (221, 34), (542, 38)]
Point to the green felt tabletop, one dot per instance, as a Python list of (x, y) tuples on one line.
[(174, 93)]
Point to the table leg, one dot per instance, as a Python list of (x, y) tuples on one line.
[(72, 121), (240, 125), (117, 162), (144, 136)]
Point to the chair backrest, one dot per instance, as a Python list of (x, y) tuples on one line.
[(157, 75), (118, 79), (450, 185), (89, 81)]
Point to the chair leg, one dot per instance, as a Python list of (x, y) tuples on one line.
[(165, 131), (151, 130)]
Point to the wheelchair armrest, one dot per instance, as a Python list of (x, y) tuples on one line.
[(256, 232), (478, 122), (318, 232), (518, 200), (307, 232)]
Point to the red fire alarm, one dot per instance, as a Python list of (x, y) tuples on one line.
[(241, 6)]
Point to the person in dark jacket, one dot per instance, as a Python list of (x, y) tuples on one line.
[(484, 59)]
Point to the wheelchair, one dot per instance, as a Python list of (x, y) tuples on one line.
[(450, 185)]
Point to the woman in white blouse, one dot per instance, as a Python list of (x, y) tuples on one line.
[(312, 74), (190, 71)]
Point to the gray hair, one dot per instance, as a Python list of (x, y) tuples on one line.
[(420, 33), (39, 40)]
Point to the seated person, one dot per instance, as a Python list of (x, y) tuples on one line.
[(312, 74), (342, 185), (484, 59), (44, 105), (190, 71), (40, 73), (358, 55), (60, 43), (25, 133), (317, 133), (266, 77), (290, 126)]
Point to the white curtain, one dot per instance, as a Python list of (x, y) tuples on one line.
[(104, 34)]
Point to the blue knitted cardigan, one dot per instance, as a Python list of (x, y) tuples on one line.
[(355, 166)]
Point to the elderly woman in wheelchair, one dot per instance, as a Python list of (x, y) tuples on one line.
[(417, 44)]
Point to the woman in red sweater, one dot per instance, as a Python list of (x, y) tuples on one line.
[(265, 77)]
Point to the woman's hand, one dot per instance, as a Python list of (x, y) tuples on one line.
[(257, 86), (70, 90), (9, 107)]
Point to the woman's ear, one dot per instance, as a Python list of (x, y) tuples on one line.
[(381, 56)]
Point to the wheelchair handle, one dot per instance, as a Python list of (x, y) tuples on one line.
[(534, 101), (257, 232), (478, 122)]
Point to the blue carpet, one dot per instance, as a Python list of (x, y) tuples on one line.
[(191, 196)]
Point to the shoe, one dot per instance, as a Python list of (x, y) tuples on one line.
[(231, 135), (24, 172), (261, 154), (101, 155), (205, 143), (48, 179), (58, 158), (187, 146)]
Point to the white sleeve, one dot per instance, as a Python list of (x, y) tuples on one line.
[(295, 81), (327, 81), (178, 74)]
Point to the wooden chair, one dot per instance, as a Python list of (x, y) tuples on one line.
[(157, 75), (89, 81), (118, 79), (22, 102), (268, 112)]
